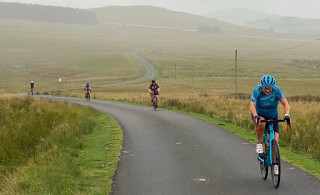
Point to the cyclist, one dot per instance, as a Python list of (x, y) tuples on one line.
[(264, 106), (31, 87), (87, 88), (154, 90)]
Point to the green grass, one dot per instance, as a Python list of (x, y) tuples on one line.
[(100, 156), (76, 152)]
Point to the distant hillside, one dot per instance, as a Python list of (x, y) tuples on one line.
[(255, 19), (290, 25), (241, 16), (46, 13), (160, 17)]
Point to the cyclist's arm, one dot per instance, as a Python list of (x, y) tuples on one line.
[(253, 109), (286, 106)]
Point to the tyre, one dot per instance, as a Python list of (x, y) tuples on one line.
[(264, 170), (276, 166), (154, 103), (263, 165)]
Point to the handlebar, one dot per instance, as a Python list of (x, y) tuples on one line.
[(273, 121)]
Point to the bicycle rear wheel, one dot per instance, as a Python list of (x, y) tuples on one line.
[(263, 165), (276, 166)]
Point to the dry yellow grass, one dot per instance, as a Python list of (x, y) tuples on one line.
[(303, 138)]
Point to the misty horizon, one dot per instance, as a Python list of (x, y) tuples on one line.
[(293, 8)]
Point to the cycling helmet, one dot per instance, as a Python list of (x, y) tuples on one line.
[(268, 81), (88, 82), (31, 81), (153, 81)]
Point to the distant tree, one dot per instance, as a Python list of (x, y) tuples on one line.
[(47, 13), (313, 63)]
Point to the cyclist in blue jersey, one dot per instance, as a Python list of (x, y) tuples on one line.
[(87, 88), (264, 105)]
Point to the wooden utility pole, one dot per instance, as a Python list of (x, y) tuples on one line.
[(236, 63)]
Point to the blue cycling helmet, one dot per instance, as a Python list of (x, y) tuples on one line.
[(268, 81), (88, 82)]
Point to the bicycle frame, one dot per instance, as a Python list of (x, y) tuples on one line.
[(268, 130), (268, 159)]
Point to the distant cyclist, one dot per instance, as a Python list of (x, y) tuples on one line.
[(154, 90), (264, 105), (31, 87), (87, 88)]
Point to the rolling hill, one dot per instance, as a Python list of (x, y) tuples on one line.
[(150, 16), (255, 19), (46, 13)]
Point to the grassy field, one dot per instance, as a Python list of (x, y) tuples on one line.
[(56, 148), (196, 70)]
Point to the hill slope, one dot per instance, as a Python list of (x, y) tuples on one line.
[(160, 17), (255, 19), (290, 25), (46, 13), (241, 16)]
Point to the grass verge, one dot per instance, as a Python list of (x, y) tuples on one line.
[(100, 156), (78, 155)]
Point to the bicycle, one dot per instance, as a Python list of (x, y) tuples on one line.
[(87, 96), (31, 91), (154, 100), (271, 154)]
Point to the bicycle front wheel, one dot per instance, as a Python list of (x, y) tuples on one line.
[(276, 166)]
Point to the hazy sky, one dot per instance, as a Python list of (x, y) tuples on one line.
[(299, 8)]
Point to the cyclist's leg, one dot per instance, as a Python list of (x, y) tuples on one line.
[(276, 137), (157, 98), (260, 132)]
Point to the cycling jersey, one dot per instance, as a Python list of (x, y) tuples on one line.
[(87, 87), (32, 85), (154, 87), (267, 105)]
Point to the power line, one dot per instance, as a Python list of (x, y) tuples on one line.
[(285, 49)]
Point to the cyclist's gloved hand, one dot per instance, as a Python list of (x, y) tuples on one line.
[(256, 119), (287, 118)]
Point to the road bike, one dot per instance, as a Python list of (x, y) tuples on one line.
[(87, 96), (271, 154)]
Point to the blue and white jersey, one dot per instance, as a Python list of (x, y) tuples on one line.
[(267, 105)]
